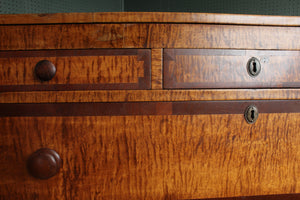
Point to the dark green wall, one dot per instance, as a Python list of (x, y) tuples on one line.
[(58, 6), (267, 7)]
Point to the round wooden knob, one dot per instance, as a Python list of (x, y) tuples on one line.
[(44, 163), (45, 70)]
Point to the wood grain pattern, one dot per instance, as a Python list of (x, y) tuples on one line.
[(77, 69), (148, 108), (71, 36), (153, 157), (147, 142), (210, 36), (262, 197), (156, 68), (82, 36), (152, 17), (147, 95), (217, 68)]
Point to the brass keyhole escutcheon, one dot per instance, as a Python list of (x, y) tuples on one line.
[(253, 67), (251, 114)]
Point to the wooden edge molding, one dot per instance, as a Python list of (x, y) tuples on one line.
[(147, 108), (147, 17), (262, 197), (142, 54), (147, 95), (142, 84)]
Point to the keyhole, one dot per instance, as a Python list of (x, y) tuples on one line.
[(254, 67), (252, 115)]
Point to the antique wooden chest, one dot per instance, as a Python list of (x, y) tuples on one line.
[(149, 106)]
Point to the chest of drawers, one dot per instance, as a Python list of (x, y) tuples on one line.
[(149, 106)]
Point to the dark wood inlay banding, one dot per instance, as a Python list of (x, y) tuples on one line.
[(147, 108)]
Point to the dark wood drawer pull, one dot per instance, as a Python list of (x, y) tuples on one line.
[(44, 163), (45, 70)]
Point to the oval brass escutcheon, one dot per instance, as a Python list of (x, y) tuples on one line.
[(251, 114), (253, 67)]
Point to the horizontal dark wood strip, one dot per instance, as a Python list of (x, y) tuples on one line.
[(153, 17), (85, 109), (263, 197), (234, 107), (71, 87), (230, 85), (147, 108)]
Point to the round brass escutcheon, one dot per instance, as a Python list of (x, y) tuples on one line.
[(251, 114), (253, 67), (44, 163), (45, 70)]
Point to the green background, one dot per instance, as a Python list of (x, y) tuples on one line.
[(267, 7)]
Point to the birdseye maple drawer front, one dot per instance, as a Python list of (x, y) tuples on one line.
[(225, 68), (203, 149), (75, 69)]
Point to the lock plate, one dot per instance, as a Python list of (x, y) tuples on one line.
[(253, 67), (251, 114)]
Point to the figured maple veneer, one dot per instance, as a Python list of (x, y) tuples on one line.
[(260, 197), (82, 36), (131, 114), (156, 68), (219, 68), (153, 157), (77, 69)]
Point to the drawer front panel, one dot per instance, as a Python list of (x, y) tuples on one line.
[(148, 35), (153, 157), (217, 68), (77, 69)]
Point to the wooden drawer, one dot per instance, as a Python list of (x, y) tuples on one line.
[(221, 68), (77, 69), (196, 150)]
